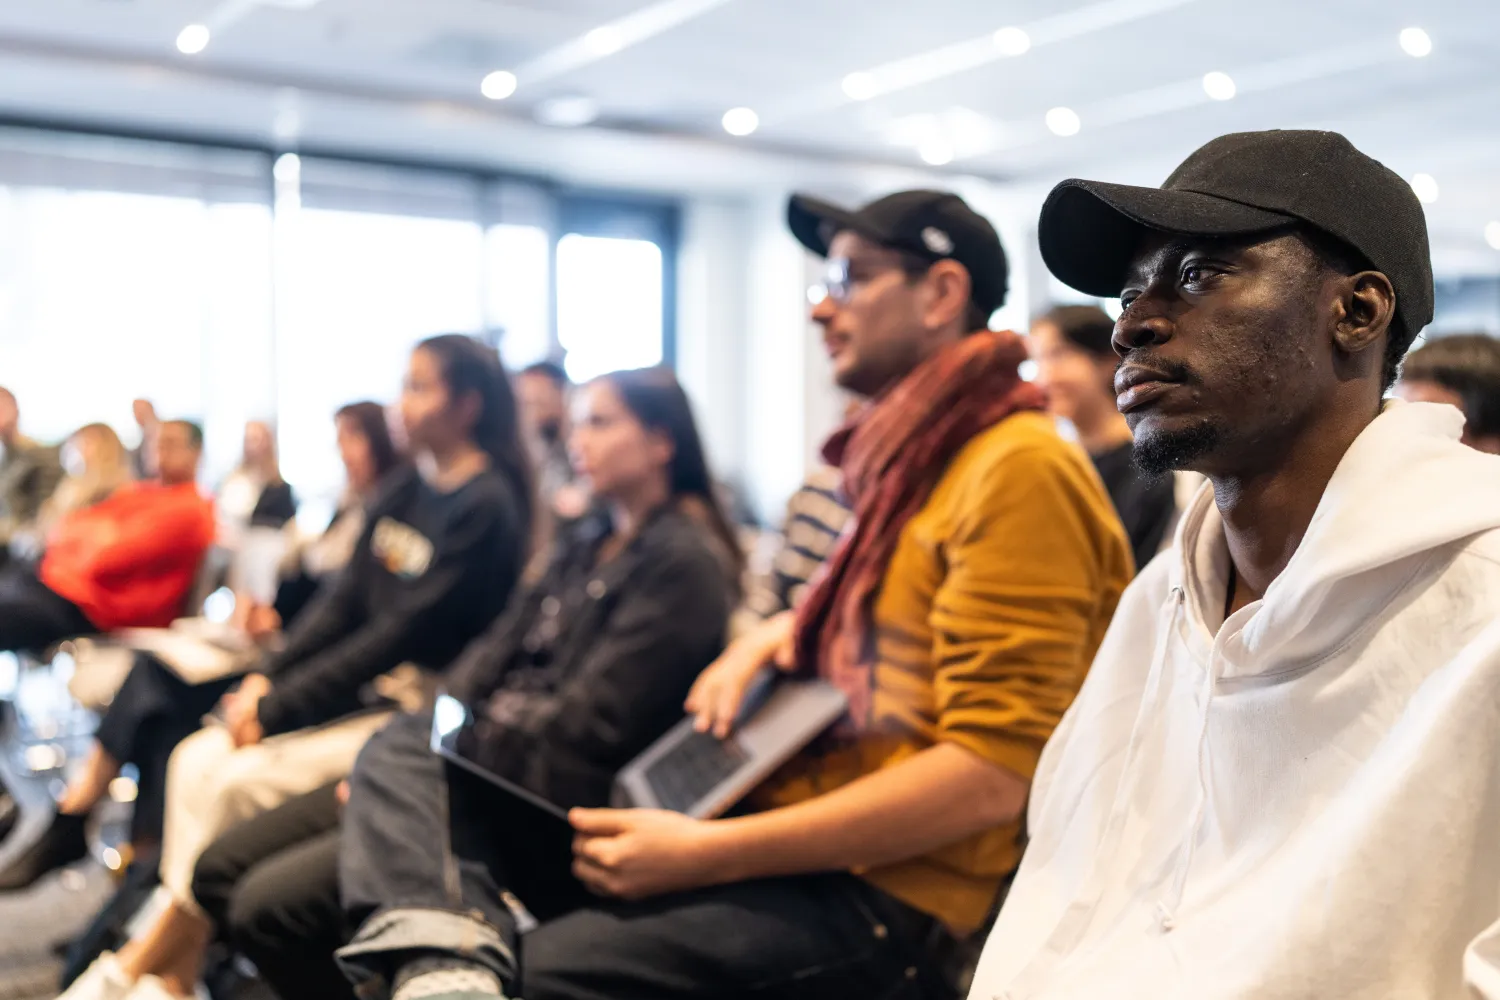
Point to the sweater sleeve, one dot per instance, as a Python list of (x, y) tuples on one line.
[(169, 533), (327, 684), (567, 745), (1032, 555)]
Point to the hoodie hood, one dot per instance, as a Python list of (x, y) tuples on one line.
[(1405, 487)]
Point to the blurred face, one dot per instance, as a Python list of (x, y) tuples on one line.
[(354, 451), (1424, 391), (544, 406), (429, 417), (1079, 385), (176, 455), (611, 448), (10, 416), (876, 334), (258, 442)]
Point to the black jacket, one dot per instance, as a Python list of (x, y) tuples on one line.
[(431, 571), (591, 666)]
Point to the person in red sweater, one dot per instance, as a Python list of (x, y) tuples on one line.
[(128, 561)]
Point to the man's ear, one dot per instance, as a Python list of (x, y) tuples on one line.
[(951, 286), (1365, 309)]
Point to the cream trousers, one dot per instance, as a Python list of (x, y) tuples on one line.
[(211, 785)]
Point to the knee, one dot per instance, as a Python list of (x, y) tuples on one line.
[(214, 880)]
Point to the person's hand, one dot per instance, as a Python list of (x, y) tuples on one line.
[(242, 710), (341, 793), (262, 623), (570, 502), (716, 695), (636, 853)]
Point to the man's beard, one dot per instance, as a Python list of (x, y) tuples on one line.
[(1159, 452)]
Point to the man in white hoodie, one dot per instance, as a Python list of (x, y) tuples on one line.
[(1281, 779)]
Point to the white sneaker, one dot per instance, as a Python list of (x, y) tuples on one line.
[(151, 988), (103, 980)]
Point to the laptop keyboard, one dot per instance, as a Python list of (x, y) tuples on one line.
[(692, 769)]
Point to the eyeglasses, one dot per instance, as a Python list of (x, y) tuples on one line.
[(844, 275)]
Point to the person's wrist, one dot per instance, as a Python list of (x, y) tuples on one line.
[(723, 851)]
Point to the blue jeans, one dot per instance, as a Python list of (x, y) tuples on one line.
[(430, 854)]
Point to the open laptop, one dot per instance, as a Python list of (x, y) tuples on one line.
[(701, 775), (687, 771)]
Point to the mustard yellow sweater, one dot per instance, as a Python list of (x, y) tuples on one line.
[(997, 596)]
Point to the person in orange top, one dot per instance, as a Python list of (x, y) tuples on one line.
[(128, 561)]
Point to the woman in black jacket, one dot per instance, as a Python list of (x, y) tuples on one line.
[(442, 549), (581, 674)]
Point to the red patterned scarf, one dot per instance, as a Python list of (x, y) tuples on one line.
[(891, 456)]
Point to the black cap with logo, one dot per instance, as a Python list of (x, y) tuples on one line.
[(1245, 184), (933, 225)]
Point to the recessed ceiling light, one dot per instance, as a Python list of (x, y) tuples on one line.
[(740, 121), (860, 86), (1012, 41), (498, 85), (1492, 234), (567, 112), (1426, 188), (1219, 86), (936, 153), (193, 39), (604, 41), (1416, 42), (288, 168), (1063, 121)]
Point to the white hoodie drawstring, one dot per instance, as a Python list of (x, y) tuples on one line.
[(1167, 908)]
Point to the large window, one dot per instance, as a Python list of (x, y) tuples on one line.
[(229, 285), (609, 304)]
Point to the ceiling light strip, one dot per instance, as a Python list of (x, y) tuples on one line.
[(632, 29)]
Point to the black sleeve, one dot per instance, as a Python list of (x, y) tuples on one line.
[(275, 507), (669, 624), (334, 613), (463, 568)]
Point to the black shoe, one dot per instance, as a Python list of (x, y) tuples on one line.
[(9, 814), (62, 843)]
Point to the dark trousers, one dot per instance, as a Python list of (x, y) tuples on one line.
[(270, 885), (153, 711), (32, 617), (427, 847)]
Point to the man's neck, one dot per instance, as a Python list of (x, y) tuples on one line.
[(1103, 433), (1266, 513)]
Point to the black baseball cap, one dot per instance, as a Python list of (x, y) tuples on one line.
[(933, 225), (1245, 184)]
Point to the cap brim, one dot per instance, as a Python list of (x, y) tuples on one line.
[(1089, 231), (814, 222)]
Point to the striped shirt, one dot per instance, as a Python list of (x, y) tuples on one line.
[(815, 520)]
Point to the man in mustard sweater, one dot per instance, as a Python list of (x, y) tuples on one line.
[(959, 614)]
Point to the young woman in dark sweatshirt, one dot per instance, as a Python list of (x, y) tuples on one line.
[(443, 547)]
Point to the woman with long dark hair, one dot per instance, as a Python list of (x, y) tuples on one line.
[(443, 547), (579, 676)]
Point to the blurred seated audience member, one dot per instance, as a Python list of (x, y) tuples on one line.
[(29, 473), (254, 495), (155, 709), (1462, 370), (958, 616), (443, 548), (1076, 363), (815, 519), (369, 456), (127, 561), (1280, 779), (143, 459), (543, 389), (95, 464), (578, 677)]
